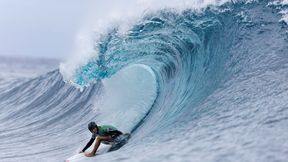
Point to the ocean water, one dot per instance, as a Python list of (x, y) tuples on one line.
[(190, 85)]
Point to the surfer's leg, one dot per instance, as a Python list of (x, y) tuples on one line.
[(107, 142)]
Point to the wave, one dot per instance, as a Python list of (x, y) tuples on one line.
[(207, 85)]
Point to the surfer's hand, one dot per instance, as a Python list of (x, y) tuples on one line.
[(89, 154)]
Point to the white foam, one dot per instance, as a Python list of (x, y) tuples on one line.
[(113, 14), (283, 12)]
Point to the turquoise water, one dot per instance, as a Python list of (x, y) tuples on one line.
[(190, 86)]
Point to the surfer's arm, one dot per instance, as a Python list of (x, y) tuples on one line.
[(97, 144), (88, 144)]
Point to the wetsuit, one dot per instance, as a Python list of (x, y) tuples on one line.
[(104, 130)]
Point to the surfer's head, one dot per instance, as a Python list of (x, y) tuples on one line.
[(92, 126)]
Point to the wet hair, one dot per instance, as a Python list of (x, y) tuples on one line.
[(91, 126)]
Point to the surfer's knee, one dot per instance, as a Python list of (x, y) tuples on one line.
[(98, 139)]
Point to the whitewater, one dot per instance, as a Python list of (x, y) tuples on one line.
[(191, 85)]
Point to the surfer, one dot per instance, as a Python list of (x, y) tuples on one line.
[(103, 134)]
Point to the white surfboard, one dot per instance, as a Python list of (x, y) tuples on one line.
[(103, 148), (78, 157)]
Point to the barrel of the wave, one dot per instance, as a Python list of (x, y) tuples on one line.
[(127, 99)]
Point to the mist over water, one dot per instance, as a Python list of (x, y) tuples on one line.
[(191, 85)]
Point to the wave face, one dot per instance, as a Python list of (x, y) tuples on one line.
[(190, 86)]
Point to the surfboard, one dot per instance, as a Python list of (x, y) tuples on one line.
[(78, 157), (103, 148)]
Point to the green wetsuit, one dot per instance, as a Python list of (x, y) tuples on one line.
[(103, 130)]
